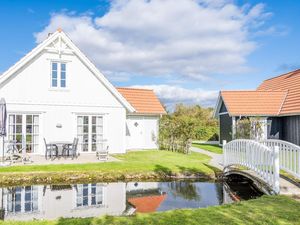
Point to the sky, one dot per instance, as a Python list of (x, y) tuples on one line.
[(185, 50)]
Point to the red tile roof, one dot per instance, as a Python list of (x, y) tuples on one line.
[(255, 103), (143, 100), (148, 203), (289, 82)]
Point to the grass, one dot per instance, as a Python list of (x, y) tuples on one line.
[(268, 210), (209, 147), (137, 165)]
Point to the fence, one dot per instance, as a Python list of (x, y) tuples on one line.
[(258, 157)]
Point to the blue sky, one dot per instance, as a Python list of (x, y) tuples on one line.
[(186, 51)]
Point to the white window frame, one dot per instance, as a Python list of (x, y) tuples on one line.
[(100, 194), (33, 201), (90, 131), (35, 135), (59, 77)]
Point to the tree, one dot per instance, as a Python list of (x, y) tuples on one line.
[(177, 129)]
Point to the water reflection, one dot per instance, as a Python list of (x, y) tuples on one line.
[(90, 200)]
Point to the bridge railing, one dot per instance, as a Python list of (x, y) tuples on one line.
[(289, 155), (264, 161)]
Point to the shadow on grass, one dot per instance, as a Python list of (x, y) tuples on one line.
[(162, 170), (215, 169)]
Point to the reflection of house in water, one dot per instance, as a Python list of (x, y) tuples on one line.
[(53, 201), (144, 197)]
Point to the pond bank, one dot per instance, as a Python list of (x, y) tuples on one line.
[(139, 166), (14, 179)]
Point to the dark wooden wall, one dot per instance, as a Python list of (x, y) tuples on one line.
[(225, 128), (291, 129)]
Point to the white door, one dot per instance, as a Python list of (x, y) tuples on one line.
[(90, 133), (135, 133), (24, 129)]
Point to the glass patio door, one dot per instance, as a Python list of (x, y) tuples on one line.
[(90, 133), (24, 129)]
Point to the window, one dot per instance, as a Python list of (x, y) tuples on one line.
[(89, 195), (58, 75), (54, 75), (24, 129), (90, 133), (22, 199), (63, 75)]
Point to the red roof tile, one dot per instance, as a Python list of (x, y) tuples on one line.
[(289, 82), (143, 100), (256, 103), (148, 203)]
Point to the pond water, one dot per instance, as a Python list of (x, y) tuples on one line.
[(90, 200)]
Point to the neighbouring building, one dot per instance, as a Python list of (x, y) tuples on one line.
[(55, 92), (276, 103)]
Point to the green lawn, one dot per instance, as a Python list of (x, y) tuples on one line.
[(266, 210), (133, 165), (209, 147)]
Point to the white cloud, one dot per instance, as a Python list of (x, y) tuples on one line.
[(187, 38), (171, 95)]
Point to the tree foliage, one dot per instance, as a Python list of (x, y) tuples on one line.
[(249, 128), (177, 129)]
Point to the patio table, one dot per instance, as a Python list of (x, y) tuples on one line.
[(60, 145)]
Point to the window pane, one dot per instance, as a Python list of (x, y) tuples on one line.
[(93, 129), (99, 130), (99, 120), (54, 83), (63, 67), (28, 119), (86, 120), (54, 74), (28, 138), (63, 75), (85, 129), (36, 120), (11, 119), (28, 129), (54, 66), (19, 118), (79, 129), (62, 83), (19, 129)]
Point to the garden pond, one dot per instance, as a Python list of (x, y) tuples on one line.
[(119, 198)]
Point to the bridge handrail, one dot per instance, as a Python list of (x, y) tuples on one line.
[(289, 155), (255, 156)]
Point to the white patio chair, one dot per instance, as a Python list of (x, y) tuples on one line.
[(13, 154), (102, 155)]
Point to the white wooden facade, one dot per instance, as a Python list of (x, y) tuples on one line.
[(56, 93)]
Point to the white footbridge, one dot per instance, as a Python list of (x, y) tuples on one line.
[(263, 161)]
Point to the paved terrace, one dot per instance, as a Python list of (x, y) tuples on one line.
[(81, 159)]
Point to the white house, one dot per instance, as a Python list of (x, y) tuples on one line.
[(56, 93)]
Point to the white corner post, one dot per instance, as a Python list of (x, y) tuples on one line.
[(224, 152), (276, 169), (233, 127)]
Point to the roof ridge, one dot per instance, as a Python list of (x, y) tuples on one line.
[(257, 91), (282, 104), (281, 75), (130, 88)]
